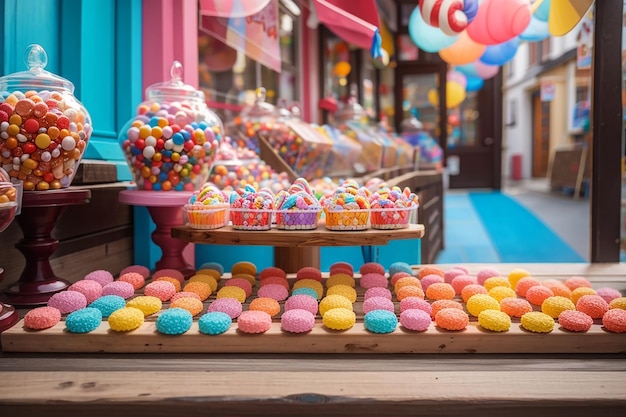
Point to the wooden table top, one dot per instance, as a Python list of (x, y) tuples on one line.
[(297, 238), (363, 384)]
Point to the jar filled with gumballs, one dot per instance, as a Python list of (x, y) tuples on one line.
[(44, 129), (171, 142)]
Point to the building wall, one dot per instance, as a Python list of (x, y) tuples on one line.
[(520, 81)]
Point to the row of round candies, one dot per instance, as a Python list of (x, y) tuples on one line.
[(169, 149), (42, 137)]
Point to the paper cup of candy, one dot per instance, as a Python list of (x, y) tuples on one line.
[(347, 219), (297, 219), (251, 219), (392, 218), (206, 217)]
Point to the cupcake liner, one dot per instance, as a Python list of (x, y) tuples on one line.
[(206, 217), (347, 219), (391, 218), (251, 219), (297, 219)]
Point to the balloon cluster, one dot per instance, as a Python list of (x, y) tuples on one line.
[(476, 37)]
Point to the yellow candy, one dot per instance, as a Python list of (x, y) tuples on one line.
[(580, 291), (500, 293), (146, 303), (339, 319), (243, 267), (553, 306), (618, 303), (334, 301), (209, 280), (126, 319), (340, 279), (493, 320), (480, 302), (232, 292), (517, 274), (343, 290), (537, 322), (310, 283), (496, 282), (211, 272)]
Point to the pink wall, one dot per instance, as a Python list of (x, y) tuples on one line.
[(170, 32)]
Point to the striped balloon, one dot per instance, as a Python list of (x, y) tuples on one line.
[(447, 15)]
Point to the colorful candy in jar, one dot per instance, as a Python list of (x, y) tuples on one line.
[(43, 132), (172, 141)]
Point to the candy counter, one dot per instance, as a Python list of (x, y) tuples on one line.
[(353, 380)]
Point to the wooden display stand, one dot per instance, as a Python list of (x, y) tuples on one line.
[(295, 249), (40, 212), (166, 210)]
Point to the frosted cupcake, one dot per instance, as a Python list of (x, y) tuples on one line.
[(347, 208), (392, 208), (207, 208), (251, 209), (297, 208)]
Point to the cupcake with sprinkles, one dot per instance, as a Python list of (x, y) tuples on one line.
[(297, 208), (251, 209), (347, 208), (392, 207), (207, 208)]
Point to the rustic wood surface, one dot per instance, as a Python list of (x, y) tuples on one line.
[(313, 384), (296, 238)]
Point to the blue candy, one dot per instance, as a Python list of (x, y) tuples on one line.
[(83, 320), (380, 321), (107, 304), (305, 290), (400, 267), (174, 321), (214, 322)]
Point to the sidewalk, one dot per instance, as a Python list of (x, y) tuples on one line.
[(467, 241)]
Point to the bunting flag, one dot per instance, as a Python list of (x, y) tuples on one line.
[(565, 15), (242, 25)]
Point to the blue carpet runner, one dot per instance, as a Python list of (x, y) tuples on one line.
[(493, 227)]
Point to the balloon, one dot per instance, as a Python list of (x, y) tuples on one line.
[(536, 31), (456, 77), (498, 21), (501, 53), (469, 70), (382, 61), (447, 15), (342, 69), (474, 83), (455, 94), (463, 51), (426, 37), (485, 71), (541, 10)]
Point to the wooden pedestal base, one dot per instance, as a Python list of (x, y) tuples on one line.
[(40, 212), (8, 314)]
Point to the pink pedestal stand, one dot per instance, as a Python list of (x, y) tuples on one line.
[(166, 210), (40, 212)]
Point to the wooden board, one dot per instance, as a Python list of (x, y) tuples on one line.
[(296, 238), (474, 339)]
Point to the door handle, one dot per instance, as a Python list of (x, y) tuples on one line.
[(488, 141)]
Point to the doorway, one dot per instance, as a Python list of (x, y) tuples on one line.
[(470, 134), (541, 136)]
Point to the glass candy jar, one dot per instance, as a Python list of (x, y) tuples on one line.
[(172, 140), (44, 129)]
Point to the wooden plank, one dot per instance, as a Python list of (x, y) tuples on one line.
[(296, 238), (474, 339)]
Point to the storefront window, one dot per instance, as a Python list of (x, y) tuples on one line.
[(229, 78)]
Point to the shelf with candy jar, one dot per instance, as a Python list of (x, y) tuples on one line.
[(171, 142), (44, 129), (351, 120), (236, 167), (344, 155)]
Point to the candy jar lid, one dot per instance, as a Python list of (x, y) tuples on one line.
[(351, 110), (174, 88), (260, 108), (36, 77)]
